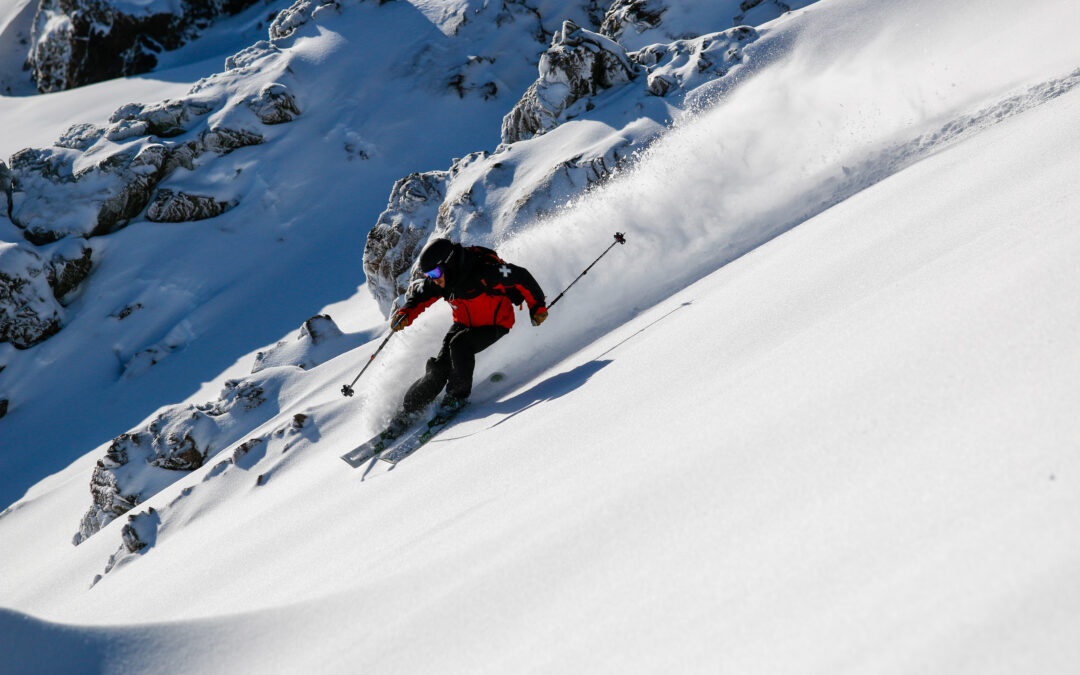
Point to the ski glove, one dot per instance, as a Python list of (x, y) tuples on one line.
[(539, 316), (400, 320)]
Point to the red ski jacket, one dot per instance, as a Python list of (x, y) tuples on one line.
[(481, 287)]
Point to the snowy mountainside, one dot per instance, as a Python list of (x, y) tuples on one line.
[(196, 437), (290, 196), (825, 392)]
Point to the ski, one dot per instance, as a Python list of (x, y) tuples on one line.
[(414, 440), (377, 443), (365, 451)]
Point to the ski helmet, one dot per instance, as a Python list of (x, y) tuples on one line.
[(439, 253)]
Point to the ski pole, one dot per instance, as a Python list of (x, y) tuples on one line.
[(347, 389), (620, 238)]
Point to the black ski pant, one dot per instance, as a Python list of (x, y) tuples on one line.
[(453, 366)]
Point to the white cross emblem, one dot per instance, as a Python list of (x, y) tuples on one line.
[(505, 271)]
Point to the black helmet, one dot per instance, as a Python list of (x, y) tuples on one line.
[(439, 253)]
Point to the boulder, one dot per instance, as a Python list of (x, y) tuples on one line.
[(274, 104), (173, 206), (140, 531), (69, 264)]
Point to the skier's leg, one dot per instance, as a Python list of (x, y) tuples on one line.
[(422, 392), (463, 349)]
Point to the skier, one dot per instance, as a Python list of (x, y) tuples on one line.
[(482, 288)]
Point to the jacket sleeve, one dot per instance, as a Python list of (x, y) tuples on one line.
[(519, 285), (421, 295)]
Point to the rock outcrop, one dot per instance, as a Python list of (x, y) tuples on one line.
[(122, 164), (635, 15), (578, 64), (637, 24), (274, 104), (683, 65), (302, 12), (97, 179), (76, 42), (29, 311), (401, 231), (141, 462), (69, 265), (5, 190), (51, 199)]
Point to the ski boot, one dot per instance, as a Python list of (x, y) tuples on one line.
[(401, 423), (448, 407)]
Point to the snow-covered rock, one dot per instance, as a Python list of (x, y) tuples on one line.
[(579, 64), (76, 42), (301, 13), (53, 197), (319, 340), (584, 79), (274, 104), (401, 231), (636, 24), (165, 119), (70, 263), (686, 64), (171, 206), (142, 461), (29, 311), (95, 180), (5, 190)]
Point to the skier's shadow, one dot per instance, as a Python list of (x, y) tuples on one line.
[(550, 389), (559, 385)]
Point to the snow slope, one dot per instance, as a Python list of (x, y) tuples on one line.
[(371, 82), (817, 416)]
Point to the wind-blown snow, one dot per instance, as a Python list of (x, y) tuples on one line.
[(818, 415)]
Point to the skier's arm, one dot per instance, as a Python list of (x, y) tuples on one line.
[(421, 295), (519, 283)]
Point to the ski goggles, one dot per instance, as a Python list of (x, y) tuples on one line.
[(434, 273)]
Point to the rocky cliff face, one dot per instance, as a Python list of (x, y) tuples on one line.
[(76, 42)]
